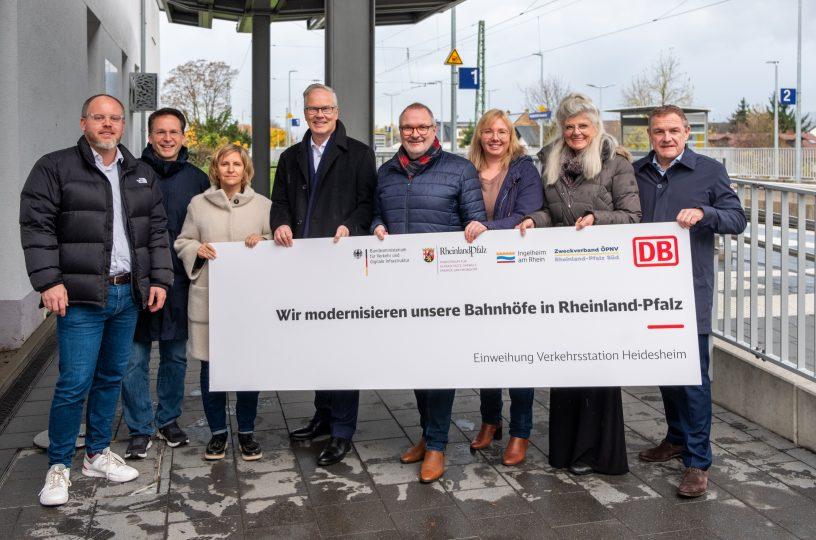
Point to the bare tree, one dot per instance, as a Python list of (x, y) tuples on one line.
[(661, 83), (200, 89), (549, 95)]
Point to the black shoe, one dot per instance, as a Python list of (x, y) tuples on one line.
[(250, 449), (315, 428), (217, 447), (173, 435), (336, 450), (580, 469), (138, 446)]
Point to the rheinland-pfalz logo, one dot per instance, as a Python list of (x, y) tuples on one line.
[(655, 251), (428, 255)]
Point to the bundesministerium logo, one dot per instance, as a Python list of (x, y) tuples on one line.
[(655, 251), (358, 253), (428, 255)]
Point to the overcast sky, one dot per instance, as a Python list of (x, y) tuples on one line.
[(722, 46)]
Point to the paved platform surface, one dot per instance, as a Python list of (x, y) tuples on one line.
[(762, 486)]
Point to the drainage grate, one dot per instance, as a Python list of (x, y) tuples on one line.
[(18, 391)]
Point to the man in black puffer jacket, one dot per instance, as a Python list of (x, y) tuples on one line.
[(179, 182), (94, 235)]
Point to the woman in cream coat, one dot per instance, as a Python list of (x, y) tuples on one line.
[(229, 211)]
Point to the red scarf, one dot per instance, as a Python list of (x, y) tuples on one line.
[(413, 167)]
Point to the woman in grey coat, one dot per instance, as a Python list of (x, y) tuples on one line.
[(588, 180)]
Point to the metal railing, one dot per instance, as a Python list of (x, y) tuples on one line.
[(759, 162), (764, 284)]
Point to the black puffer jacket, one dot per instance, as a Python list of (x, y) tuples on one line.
[(66, 226), (179, 182)]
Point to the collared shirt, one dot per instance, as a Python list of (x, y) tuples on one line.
[(317, 152), (660, 169), (120, 253)]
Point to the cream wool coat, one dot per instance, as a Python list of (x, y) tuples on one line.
[(211, 217)]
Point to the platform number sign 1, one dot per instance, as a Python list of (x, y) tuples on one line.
[(787, 96), (469, 78)]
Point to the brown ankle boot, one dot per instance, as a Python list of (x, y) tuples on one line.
[(433, 467), (694, 483), (515, 452), (662, 452), (415, 453), (487, 434)]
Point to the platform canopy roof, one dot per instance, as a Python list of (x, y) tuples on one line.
[(202, 12)]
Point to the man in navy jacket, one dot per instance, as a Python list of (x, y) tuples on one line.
[(677, 184), (424, 189), (179, 182)]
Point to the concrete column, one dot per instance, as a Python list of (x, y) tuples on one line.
[(350, 63), (260, 102)]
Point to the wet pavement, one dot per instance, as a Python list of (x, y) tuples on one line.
[(762, 486)]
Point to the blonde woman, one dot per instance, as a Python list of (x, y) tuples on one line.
[(588, 181), (228, 211), (511, 189)]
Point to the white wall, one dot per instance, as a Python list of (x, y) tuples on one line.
[(49, 68)]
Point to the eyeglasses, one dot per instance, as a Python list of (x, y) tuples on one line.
[(501, 134), (115, 118), (327, 110), (571, 128), (173, 133), (409, 130)]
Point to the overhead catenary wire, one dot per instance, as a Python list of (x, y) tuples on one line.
[(610, 33)]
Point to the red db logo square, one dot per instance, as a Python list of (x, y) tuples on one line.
[(655, 251)]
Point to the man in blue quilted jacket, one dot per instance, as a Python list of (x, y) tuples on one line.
[(425, 189)]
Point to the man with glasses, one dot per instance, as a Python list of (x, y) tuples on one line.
[(324, 187), (94, 234), (179, 181), (424, 189)]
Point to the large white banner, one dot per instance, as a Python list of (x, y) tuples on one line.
[(605, 306)]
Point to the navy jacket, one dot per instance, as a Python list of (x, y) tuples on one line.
[(520, 194), (445, 197), (694, 182), (179, 182)]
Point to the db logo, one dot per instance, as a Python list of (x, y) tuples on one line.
[(655, 251)]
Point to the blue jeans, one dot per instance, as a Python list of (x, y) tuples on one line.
[(338, 408), (521, 409), (688, 413), (435, 416), (94, 348), (215, 404), (136, 402)]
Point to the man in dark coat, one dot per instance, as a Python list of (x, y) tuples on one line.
[(677, 184), (425, 189), (94, 235), (324, 187), (179, 181)]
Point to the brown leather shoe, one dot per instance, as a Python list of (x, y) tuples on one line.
[(662, 452), (415, 453), (694, 484), (433, 466), (515, 452), (487, 434)]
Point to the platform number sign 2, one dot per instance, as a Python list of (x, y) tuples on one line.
[(469, 78), (787, 96)]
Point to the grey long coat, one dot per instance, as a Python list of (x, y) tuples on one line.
[(211, 217), (612, 195)]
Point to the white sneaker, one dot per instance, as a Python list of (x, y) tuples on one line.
[(55, 490), (108, 465)]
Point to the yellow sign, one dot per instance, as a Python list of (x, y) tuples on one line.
[(542, 108), (453, 59)]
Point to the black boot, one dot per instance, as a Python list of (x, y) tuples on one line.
[(336, 450), (315, 428)]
